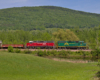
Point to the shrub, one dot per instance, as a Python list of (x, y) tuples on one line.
[(48, 53), (44, 53), (53, 52), (27, 51), (87, 53), (34, 52), (40, 53), (97, 51), (17, 50), (80, 52), (94, 53), (10, 49), (68, 52), (98, 75), (63, 54)]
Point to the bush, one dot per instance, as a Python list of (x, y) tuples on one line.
[(64, 54), (48, 53), (10, 49), (45, 53), (80, 52), (34, 52), (94, 53), (98, 74), (17, 50), (40, 53), (87, 53), (69, 52), (27, 51), (97, 51), (53, 52)]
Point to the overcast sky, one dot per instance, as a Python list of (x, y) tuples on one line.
[(92, 6)]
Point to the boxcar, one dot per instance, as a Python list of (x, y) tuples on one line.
[(72, 44), (40, 44)]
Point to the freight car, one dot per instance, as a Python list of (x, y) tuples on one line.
[(40, 44), (13, 45), (72, 45)]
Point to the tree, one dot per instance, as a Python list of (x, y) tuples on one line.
[(46, 36), (98, 38), (64, 35)]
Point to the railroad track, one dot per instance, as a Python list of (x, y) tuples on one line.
[(53, 49)]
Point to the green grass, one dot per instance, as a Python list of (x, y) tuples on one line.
[(28, 67)]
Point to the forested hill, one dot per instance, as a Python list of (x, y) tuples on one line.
[(31, 18)]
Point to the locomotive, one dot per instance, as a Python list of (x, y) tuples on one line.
[(72, 45), (41, 44), (60, 44)]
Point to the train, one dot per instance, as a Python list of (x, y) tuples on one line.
[(49, 45), (60, 45)]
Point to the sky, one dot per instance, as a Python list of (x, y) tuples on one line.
[(92, 6)]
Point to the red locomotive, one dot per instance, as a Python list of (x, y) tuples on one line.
[(40, 44)]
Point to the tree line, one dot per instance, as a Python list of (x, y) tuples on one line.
[(89, 36), (22, 37)]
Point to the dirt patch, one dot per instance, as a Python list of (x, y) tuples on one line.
[(96, 78), (69, 60)]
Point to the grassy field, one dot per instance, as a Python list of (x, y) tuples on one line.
[(28, 67)]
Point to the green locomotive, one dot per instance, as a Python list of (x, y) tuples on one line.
[(72, 44)]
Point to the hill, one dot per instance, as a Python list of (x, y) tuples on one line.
[(28, 67), (32, 18)]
